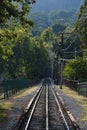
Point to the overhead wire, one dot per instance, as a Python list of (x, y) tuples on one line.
[(69, 45), (85, 15), (78, 9), (67, 6), (71, 42), (79, 51)]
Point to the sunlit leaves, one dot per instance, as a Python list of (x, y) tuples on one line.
[(47, 35), (81, 26), (18, 9), (9, 37), (76, 69)]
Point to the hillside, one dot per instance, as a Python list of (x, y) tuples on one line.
[(45, 19), (49, 5)]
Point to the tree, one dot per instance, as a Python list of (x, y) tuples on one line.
[(58, 28), (20, 53), (42, 19), (11, 41), (15, 8), (10, 36), (29, 58), (39, 63), (52, 18), (47, 35), (81, 26), (76, 69)]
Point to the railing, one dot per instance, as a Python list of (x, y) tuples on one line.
[(73, 84), (1, 91), (11, 87), (80, 87)]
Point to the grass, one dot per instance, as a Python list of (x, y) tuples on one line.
[(4, 107), (81, 99), (7, 105), (25, 92), (1, 95)]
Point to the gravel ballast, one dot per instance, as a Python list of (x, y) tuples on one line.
[(74, 107), (19, 105), (17, 109)]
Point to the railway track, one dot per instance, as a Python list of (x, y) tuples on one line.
[(45, 112)]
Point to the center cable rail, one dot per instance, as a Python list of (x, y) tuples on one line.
[(34, 107), (47, 125)]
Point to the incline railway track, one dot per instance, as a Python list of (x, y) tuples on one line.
[(45, 112)]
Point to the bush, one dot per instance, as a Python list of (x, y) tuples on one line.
[(76, 70)]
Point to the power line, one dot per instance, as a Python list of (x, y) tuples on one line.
[(77, 51), (69, 45)]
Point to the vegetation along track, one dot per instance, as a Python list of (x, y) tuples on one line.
[(45, 112)]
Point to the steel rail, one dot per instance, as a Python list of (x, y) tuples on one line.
[(32, 100), (58, 104), (22, 119), (47, 125), (30, 117)]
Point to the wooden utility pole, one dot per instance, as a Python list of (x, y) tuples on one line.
[(61, 76), (75, 53), (57, 76)]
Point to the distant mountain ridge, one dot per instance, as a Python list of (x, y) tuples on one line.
[(45, 19), (49, 5)]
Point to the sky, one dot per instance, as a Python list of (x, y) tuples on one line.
[(57, 4)]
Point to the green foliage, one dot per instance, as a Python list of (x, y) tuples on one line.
[(11, 38), (47, 35), (81, 26), (72, 45), (58, 28), (20, 53), (69, 71), (47, 19), (39, 61), (63, 17), (15, 8), (8, 38), (76, 69), (42, 19), (28, 58)]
